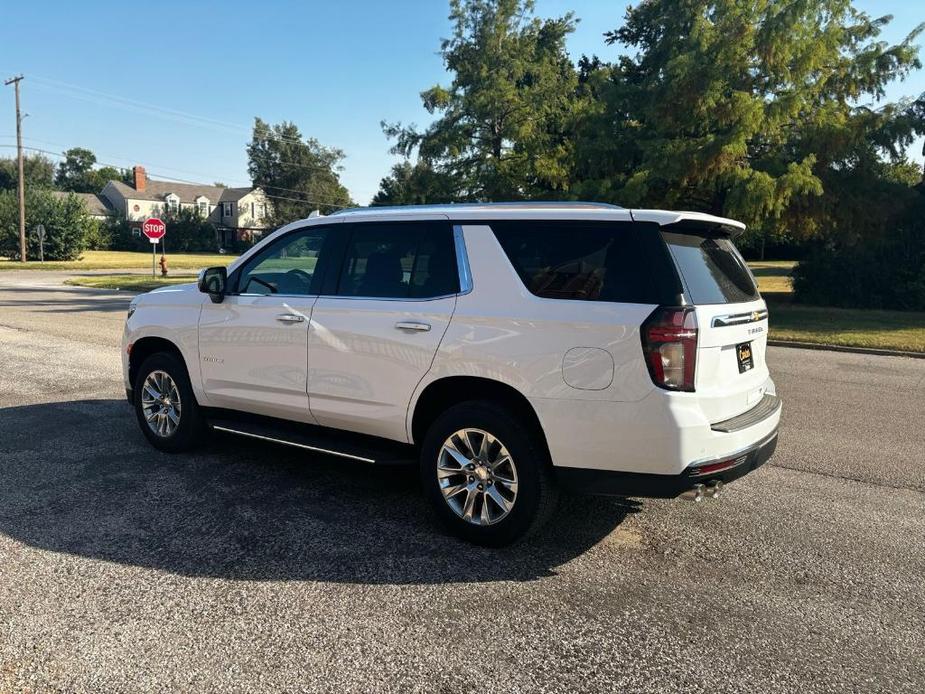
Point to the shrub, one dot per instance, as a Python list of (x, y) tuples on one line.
[(98, 237), (886, 271), (122, 237), (186, 232), (65, 220)]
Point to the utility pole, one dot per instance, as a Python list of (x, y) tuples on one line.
[(22, 180)]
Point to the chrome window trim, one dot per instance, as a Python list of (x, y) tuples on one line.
[(387, 298), (739, 318), (277, 296), (462, 263), (355, 298), (462, 260)]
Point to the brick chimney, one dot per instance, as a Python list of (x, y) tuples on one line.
[(141, 179)]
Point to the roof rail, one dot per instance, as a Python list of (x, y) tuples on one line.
[(523, 203)]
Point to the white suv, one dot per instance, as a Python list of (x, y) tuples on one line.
[(508, 348)]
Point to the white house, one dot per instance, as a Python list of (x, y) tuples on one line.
[(237, 213)]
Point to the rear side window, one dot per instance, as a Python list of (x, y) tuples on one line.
[(590, 261), (712, 267), (399, 261)]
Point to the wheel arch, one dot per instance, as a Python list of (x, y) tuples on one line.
[(145, 347), (443, 393)]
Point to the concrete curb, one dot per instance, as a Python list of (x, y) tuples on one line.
[(843, 348)]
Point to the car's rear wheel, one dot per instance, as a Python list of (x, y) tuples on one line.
[(486, 474), (165, 406)]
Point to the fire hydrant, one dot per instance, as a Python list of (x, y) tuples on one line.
[(163, 265)]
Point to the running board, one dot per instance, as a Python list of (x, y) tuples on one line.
[(342, 444)]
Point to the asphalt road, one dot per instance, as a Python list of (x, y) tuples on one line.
[(246, 567)]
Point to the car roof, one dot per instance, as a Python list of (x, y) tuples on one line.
[(497, 211), (532, 210)]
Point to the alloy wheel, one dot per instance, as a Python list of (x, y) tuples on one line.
[(160, 403), (477, 476)]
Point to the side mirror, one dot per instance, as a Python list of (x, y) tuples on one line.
[(213, 281)]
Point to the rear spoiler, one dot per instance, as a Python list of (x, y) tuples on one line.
[(690, 222)]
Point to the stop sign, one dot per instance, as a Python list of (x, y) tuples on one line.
[(154, 228)]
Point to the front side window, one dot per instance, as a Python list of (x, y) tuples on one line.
[(588, 261), (288, 267), (400, 261)]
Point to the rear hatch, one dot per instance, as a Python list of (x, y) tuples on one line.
[(732, 318)]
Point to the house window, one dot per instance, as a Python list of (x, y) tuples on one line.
[(173, 203), (204, 208), (263, 210), (227, 209), (252, 210)]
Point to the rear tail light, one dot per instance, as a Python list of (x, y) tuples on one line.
[(669, 342)]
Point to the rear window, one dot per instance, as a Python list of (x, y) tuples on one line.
[(590, 261), (711, 267)]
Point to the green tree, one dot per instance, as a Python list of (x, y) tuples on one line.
[(768, 112), (39, 172), (416, 184), (505, 122), (65, 220), (299, 174), (76, 173)]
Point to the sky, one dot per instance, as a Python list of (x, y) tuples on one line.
[(175, 86)]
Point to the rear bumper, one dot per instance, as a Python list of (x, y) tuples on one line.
[(618, 483), (665, 433)]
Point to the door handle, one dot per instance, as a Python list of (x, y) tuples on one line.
[(289, 318), (413, 325)]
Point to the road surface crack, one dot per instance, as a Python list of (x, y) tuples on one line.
[(832, 475)]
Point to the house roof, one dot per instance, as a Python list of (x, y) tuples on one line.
[(159, 190), (234, 194), (96, 205)]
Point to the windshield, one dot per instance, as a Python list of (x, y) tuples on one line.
[(711, 267)]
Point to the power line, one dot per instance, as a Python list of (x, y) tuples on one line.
[(311, 201), (99, 97), (235, 182)]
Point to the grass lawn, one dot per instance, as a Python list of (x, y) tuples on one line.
[(122, 260), (903, 330), (851, 327), (135, 283), (773, 276)]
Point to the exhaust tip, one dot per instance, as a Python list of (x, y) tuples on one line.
[(695, 493), (700, 492)]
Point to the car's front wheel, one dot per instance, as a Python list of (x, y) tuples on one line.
[(486, 474), (165, 406)]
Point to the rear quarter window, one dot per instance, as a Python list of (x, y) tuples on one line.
[(712, 268), (590, 261)]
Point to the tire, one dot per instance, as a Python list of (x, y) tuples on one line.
[(168, 436), (534, 494)]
